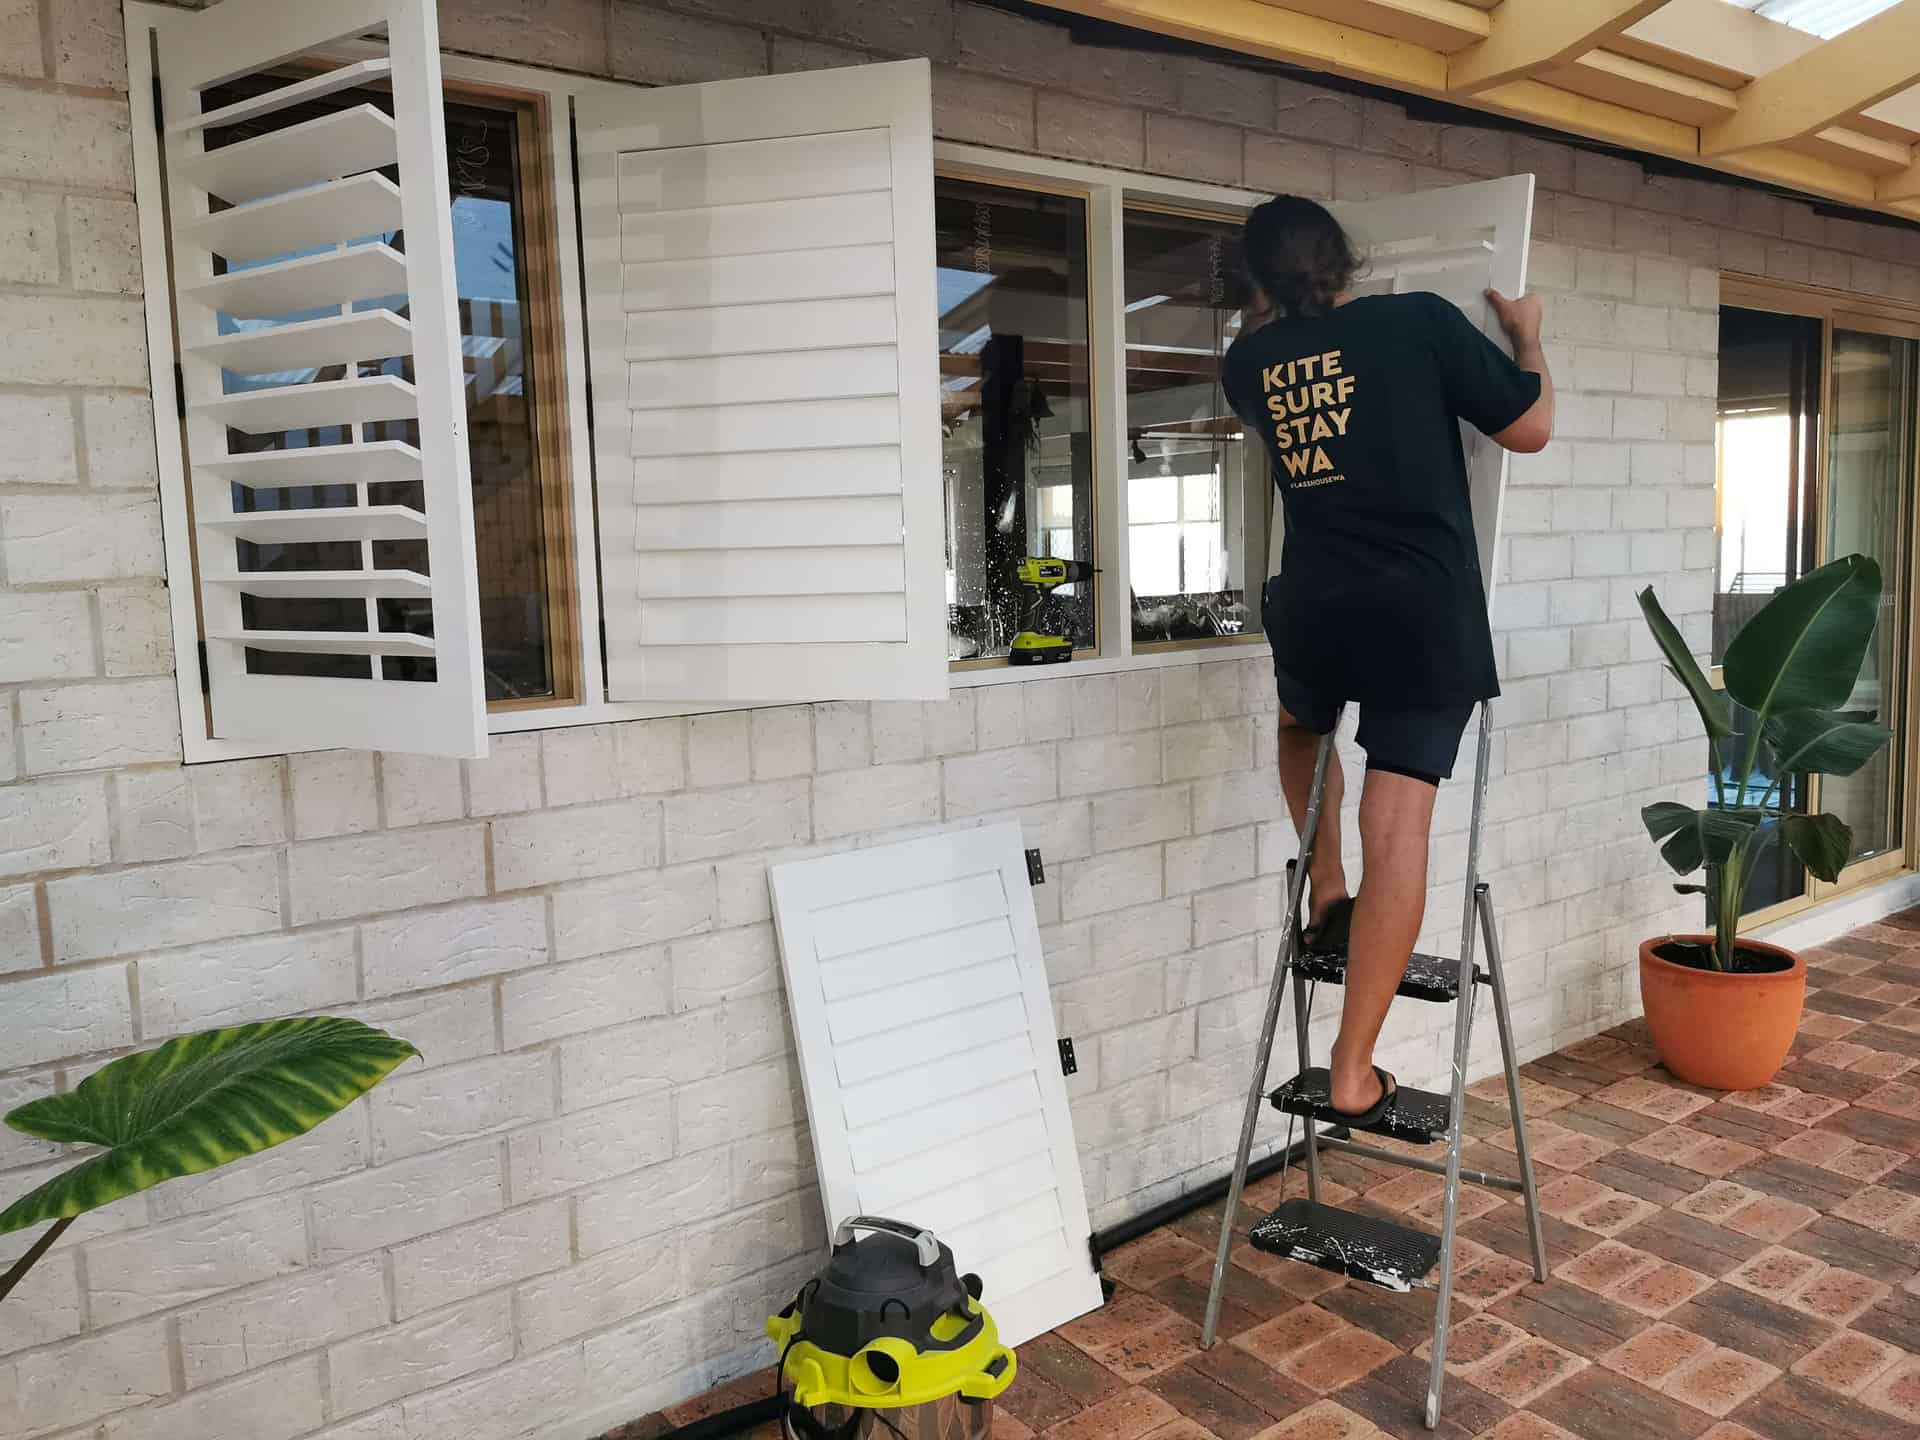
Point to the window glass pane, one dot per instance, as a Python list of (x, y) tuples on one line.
[(1768, 422), (1869, 471), (1767, 427), (511, 516), (1198, 495), (1016, 410)]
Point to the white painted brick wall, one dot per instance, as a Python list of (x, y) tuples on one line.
[(597, 1180)]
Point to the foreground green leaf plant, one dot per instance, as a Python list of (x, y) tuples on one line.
[(193, 1104), (1793, 665)]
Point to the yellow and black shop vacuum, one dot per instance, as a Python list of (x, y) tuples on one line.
[(890, 1342)]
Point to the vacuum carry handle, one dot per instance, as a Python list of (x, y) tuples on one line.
[(923, 1241)]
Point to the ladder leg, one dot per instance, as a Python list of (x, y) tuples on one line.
[(1462, 1039), (1490, 936), (1301, 1015), (1263, 1051)]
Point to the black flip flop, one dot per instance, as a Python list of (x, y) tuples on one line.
[(1373, 1114), (1329, 936)]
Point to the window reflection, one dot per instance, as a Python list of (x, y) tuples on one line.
[(1197, 493), (1015, 410), (1768, 425)]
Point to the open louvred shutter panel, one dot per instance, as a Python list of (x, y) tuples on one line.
[(322, 376), (1456, 242), (760, 269)]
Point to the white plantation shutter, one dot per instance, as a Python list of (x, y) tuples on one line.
[(931, 1065), (1456, 242), (337, 550), (760, 273)]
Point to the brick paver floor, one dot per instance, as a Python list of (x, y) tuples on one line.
[(1723, 1266)]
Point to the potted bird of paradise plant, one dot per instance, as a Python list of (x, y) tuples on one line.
[(1723, 1009)]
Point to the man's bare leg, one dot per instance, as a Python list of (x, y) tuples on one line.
[(1299, 747), (1396, 812)]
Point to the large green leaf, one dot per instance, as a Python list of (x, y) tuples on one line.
[(1825, 742), (1803, 650), (1823, 843), (1711, 703), (196, 1103), (1694, 838)]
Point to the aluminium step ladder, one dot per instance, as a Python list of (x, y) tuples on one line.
[(1382, 1252)]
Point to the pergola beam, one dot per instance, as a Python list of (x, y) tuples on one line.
[(1526, 39), (1836, 79)]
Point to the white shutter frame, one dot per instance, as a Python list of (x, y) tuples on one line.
[(930, 1061), (446, 715), (851, 367), (1459, 238)]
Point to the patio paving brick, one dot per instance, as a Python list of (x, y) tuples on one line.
[(1724, 1267)]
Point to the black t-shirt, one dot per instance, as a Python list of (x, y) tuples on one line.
[(1379, 596)]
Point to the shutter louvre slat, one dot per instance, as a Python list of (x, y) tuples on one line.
[(381, 462), (343, 143), (312, 282), (311, 344), (355, 208), (309, 527), (347, 77), (314, 405), (331, 642), (328, 584)]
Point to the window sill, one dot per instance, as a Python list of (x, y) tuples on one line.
[(1187, 653)]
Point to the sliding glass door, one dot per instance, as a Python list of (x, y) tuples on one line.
[(1868, 510), (1818, 417)]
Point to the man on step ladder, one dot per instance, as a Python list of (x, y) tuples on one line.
[(1379, 599)]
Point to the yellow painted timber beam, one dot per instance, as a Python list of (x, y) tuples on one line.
[(1902, 186), (1443, 25), (1603, 75), (1256, 29), (1529, 36), (1809, 173), (1559, 109), (1855, 69)]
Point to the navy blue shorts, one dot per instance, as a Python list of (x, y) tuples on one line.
[(1418, 743)]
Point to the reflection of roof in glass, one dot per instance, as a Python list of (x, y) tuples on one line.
[(959, 286)]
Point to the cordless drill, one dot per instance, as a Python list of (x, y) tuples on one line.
[(1036, 644)]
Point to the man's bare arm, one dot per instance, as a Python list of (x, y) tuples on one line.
[(1521, 320)]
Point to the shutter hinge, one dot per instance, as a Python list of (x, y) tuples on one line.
[(179, 390), (1036, 869), (206, 677), (1068, 1065)]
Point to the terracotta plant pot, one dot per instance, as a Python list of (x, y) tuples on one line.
[(1717, 1028)]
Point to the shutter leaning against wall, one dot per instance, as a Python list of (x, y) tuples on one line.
[(931, 1064), (1456, 242), (760, 272), (322, 376)]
